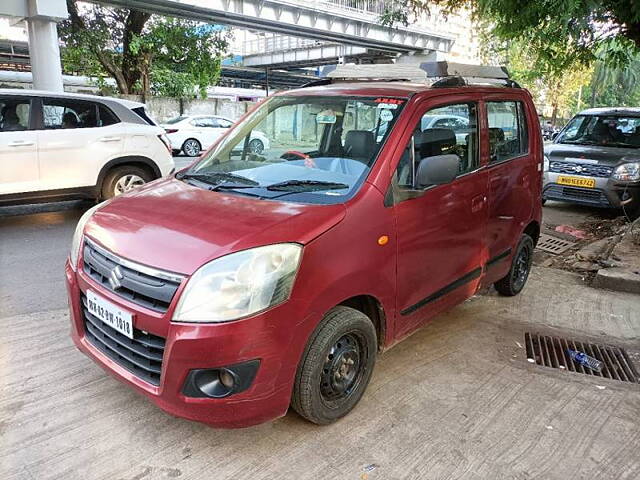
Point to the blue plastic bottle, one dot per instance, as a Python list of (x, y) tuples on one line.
[(585, 360)]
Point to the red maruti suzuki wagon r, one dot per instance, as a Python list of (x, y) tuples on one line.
[(249, 281)]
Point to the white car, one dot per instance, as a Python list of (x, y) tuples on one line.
[(59, 146), (194, 133)]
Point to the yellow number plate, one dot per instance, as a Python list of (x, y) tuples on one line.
[(577, 181)]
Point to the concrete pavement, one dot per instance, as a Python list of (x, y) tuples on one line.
[(455, 400)]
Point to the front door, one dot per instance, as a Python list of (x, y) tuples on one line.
[(19, 172), (440, 228)]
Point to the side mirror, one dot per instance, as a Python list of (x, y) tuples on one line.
[(437, 170)]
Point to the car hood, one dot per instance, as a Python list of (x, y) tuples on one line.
[(609, 156), (174, 226)]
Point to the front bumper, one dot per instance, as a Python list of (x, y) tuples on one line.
[(607, 192), (263, 337)]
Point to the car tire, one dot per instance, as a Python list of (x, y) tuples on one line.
[(256, 146), (123, 179), (515, 280), (336, 366), (191, 147)]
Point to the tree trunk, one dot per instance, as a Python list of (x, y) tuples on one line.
[(554, 114), (131, 65)]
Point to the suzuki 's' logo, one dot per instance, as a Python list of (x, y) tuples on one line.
[(114, 278), (577, 169)]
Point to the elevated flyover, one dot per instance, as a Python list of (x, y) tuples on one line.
[(320, 20)]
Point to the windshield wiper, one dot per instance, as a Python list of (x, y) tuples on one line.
[(306, 186), (214, 178)]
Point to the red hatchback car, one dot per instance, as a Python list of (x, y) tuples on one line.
[(251, 282)]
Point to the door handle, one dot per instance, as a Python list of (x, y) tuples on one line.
[(110, 139), (21, 143), (477, 202)]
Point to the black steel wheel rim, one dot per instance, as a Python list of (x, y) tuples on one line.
[(343, 369), (521, 267)]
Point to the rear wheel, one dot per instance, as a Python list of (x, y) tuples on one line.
[(191, 147), (123, 179), (256, 146), (514, 281), (336, 366)]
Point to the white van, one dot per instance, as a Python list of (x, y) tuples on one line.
[(59, 146)]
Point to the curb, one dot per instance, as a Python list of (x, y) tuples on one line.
[(618, 279)]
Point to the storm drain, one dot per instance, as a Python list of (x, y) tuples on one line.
[(554, 245), (550, 351)]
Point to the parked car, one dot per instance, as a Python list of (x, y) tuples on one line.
[(247, 283), (190, 134), (595, 160), (59, 146)]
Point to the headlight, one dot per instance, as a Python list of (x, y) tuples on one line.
[(545, 164), (240, 284), (627, 172), (77, 236)]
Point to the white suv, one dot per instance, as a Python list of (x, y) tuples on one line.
[(59, 146)]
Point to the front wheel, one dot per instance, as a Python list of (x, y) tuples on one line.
[(123, 179), (514, 281), (336, 366)]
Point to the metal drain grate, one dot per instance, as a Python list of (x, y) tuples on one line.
[(550, 351), (554, 245)]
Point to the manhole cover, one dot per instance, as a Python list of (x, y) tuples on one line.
[(554, 245), (550, 351)]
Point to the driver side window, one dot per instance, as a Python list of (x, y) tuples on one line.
[(457, 135)]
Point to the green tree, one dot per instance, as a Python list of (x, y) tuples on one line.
[(559, 31), (614, 85), (142, 52), (550, 86)]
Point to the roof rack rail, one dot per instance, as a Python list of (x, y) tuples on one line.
[(438, 74)]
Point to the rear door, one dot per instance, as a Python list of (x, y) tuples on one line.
[(76, 139), (19, 172), (440, 228), (511, 173)]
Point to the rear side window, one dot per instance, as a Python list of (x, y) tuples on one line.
[(14, 114), (508, 136), (60, 114), (142, 113), (107, 117)]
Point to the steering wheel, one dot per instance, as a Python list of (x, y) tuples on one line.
[(308, 161)]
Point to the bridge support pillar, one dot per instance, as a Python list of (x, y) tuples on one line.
[(41, 17)]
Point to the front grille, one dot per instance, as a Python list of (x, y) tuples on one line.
[(583, 169), (144, 286), (591, 196), (551, 351), (142, 356)]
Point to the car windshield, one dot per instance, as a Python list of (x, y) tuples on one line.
[(308, 149), (602, 130)]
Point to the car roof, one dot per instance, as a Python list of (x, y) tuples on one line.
[(631, 111), (388, 89), (71, 96)]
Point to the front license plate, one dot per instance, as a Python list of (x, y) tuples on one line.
[(110, 314), (576, 181)]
